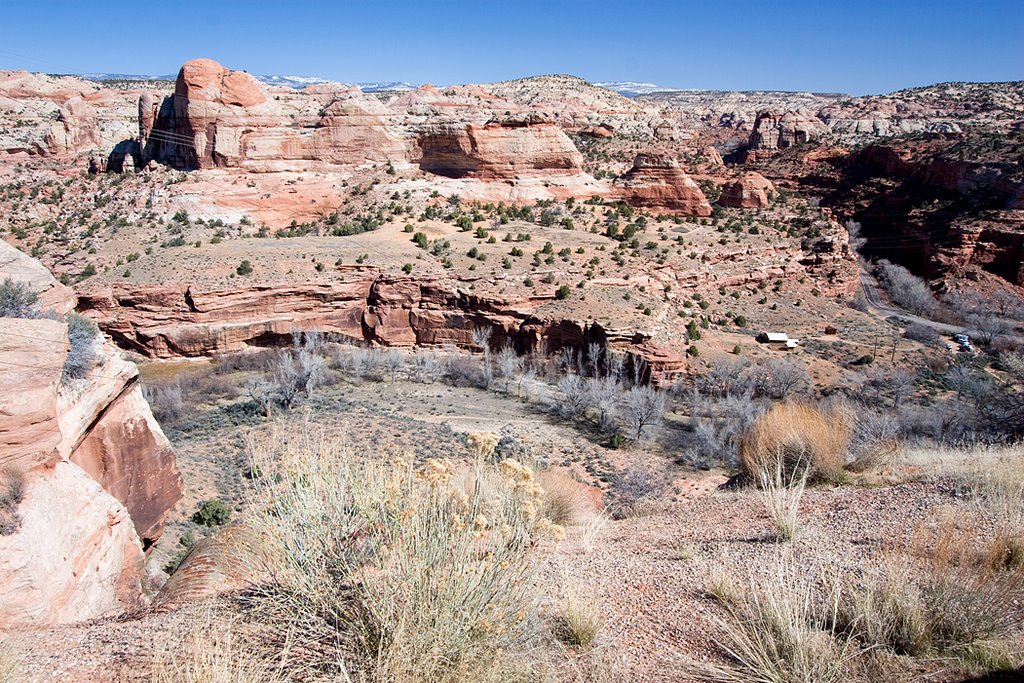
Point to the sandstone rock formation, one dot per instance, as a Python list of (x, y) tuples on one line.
[(749, 191), (657, 182), (28, 422), (61, 115), (505, 149), (773, 130), (74, 130), (75, 555), (223, 118), (97, 473), (230, 559), (368, 307), (940, 216), (23, 268), (576, 105)]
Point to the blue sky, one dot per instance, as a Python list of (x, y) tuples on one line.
[(823, 45)]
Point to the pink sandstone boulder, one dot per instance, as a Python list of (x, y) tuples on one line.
[(96, 474), (749, 191), (128, 454), (657, 182), (29, 432)]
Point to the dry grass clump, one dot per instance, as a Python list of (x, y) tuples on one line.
[(482, 444), (780, 492), (580, 621), (592, 528), (800, 435), (993, 477), (566, 501), (952, 600), (399, 571), (780, 627), (212, 653)]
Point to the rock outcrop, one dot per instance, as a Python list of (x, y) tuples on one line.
[(749, 191), (74, 556), (223, 118), (940, 216), (657, 182), (232, 558), (21, 267), (774, 130), (368, 307), (96, 472), (499, 149), (74, 130)]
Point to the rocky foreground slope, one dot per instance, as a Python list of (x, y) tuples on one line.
[(86, 474)]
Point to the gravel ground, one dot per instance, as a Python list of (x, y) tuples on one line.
[(648, 574)]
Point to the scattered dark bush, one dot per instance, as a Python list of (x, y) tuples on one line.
[(212, 513)]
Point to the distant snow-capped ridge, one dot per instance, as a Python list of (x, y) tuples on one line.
[(124, 77), (299, 82), (633, 89), (387, 85), (296, 82)]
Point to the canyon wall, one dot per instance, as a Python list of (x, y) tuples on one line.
[(367, 307), (86, 474)]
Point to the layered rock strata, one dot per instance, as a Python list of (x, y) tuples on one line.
[(657, 182), (87, 473)]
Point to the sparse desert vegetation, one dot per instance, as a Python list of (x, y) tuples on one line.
[(533, 381)]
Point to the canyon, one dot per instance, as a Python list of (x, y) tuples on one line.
[(597, 284)]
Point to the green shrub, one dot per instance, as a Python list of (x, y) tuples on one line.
[(82, 355), (17, 300), (213, 512)]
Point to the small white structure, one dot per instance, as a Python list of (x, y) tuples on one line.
[(778, 338)]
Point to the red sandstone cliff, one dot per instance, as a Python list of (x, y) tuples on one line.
[(96, 473)]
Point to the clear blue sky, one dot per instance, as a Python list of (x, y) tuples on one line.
[(823, 45)]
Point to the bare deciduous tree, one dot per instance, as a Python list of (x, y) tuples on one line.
[(357, 363), (643, 407), (987, 328), (393, 361), (782, 377), (482, 339), (906, 289), (430, 366), (569, 360), (615, 364), (262, 393), (574, 394), (288, 379), (509, 364), (594, 353), (604, 394)]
